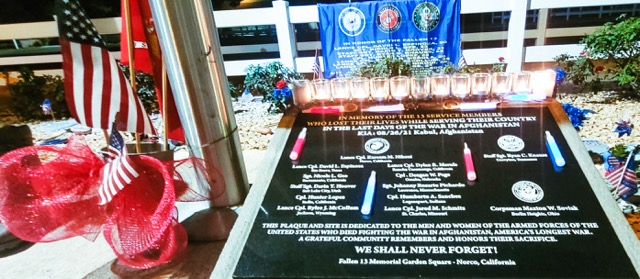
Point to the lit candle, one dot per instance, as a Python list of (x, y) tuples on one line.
[(302, 90), (460, 85), (543, 83), (480, 84), (522, 82), (440, 86), (501, 84), (400, 87), (360, 89), (420, 87), (379, 88), (323, 90), (340, 89)]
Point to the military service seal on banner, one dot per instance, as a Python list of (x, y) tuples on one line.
[(388, 18), (351, 21), (426, 16)]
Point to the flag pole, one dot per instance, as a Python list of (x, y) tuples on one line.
[(132, 68), (165, 121), (106, 136)]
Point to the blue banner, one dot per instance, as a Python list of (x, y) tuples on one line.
[(423, 33)]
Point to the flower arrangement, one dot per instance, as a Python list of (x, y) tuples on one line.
[(270, 81), (499, 67), (281, 97)]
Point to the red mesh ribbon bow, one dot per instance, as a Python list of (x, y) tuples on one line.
[(49, 193)]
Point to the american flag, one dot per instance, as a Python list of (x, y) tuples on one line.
[(462, 63), (624, 178), (317, 72), (119, 170), (95, 87)]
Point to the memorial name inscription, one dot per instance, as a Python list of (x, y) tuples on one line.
[(521, 217)]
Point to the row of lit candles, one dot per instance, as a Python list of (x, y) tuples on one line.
[(539, 84)]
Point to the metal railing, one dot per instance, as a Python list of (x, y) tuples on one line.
[(283, 17)]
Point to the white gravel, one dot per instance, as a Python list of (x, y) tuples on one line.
[(252, 119), (608, 108)]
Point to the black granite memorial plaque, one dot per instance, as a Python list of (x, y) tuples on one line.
[(523, 216)]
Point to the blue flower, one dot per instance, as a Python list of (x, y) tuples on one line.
[(276, 93), (560, 75), (623, 127), (576, 115), (287, 93)]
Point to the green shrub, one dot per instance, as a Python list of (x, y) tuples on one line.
[(581, 71), (618, 44), (235, 90), (385, 67), (614, 45), (261, 79), (391, 66), (30, 91), (146, 89)]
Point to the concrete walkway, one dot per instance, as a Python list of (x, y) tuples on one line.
[(80, 258)]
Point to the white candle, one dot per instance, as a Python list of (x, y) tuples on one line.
[(460, 85), (522, 82), (340, 89), (322, 90), (400, 87), (302, 92), (379, 88), (543, 83), (480, 84), (440, 85), (420, 87), (501, 84), (360, 89)]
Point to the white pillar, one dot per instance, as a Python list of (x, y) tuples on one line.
[(515, 38), (286, 34), (543, 15)]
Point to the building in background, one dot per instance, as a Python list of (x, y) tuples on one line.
[(29, 38)]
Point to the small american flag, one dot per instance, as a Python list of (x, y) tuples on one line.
[(624, 179), (462, 63), (95, 87), (317, 72), (119, 170)]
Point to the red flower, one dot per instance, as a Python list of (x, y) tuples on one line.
[(501, 59), (599, 69), (281, 84)]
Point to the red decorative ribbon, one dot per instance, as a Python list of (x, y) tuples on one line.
[(49, 193)]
